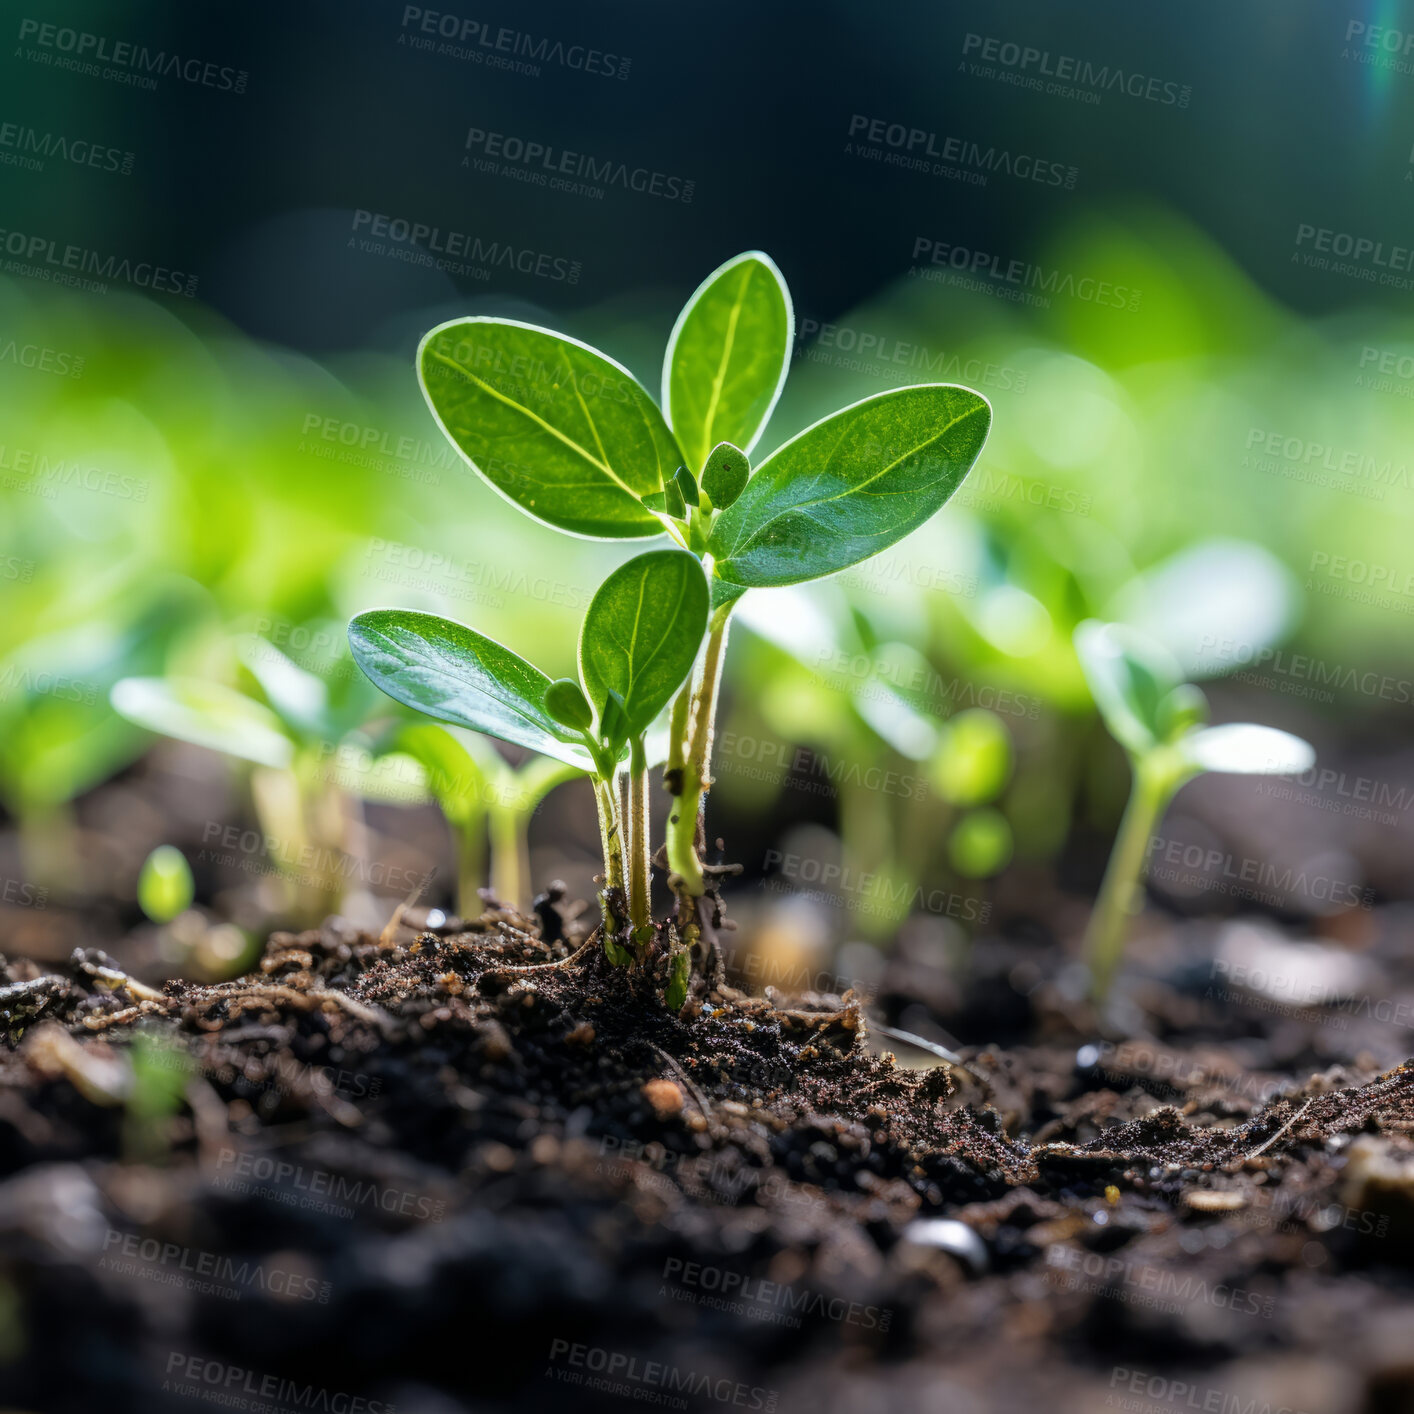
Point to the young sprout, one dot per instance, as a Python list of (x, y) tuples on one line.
[(165, 888), (570, 436), (1161, 722), (291, 737), (640, 636), (487, 802)]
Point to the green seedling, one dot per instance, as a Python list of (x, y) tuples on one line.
[(165, 888), (1161, 722), (156, 1091), (487, 803), (640, 636), (570, 436), (291, 733)]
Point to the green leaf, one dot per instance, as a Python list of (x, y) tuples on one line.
[(298, 698), (566, 703), (687, 486), (851, 485), (728, 357), (457, 675), (679, 974), (565, 433), (974, 758), (641, 634), (1130, 676), (1246, 749), (205, 714), (453, 775), (725, 476), (165, 887)]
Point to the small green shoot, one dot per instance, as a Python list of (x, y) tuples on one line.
[(165, 887), (1161, 722)]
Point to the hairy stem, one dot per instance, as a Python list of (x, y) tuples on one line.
[(683, 858), (606, 799), (1121, 894), (639, 899)]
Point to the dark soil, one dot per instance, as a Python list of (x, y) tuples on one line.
[(431, 1172)]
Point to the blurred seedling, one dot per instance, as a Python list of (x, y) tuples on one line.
[(570, 436), (165, 887), (299, 739), (1161, 722), (488, 803)]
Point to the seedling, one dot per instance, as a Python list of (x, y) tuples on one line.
[(165, 887), (640, 636), (568, 435), (487, 802), (291, 737), (1160, 721)]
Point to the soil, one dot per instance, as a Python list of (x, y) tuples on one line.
[(477, 1168)]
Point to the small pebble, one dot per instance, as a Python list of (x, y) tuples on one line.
[(664, 1096), (953, 1237)]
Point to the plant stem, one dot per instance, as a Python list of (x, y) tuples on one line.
[(639, 900), (683, 821), (1121, 894), (606, 799), (470, 836), (510, 852)]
